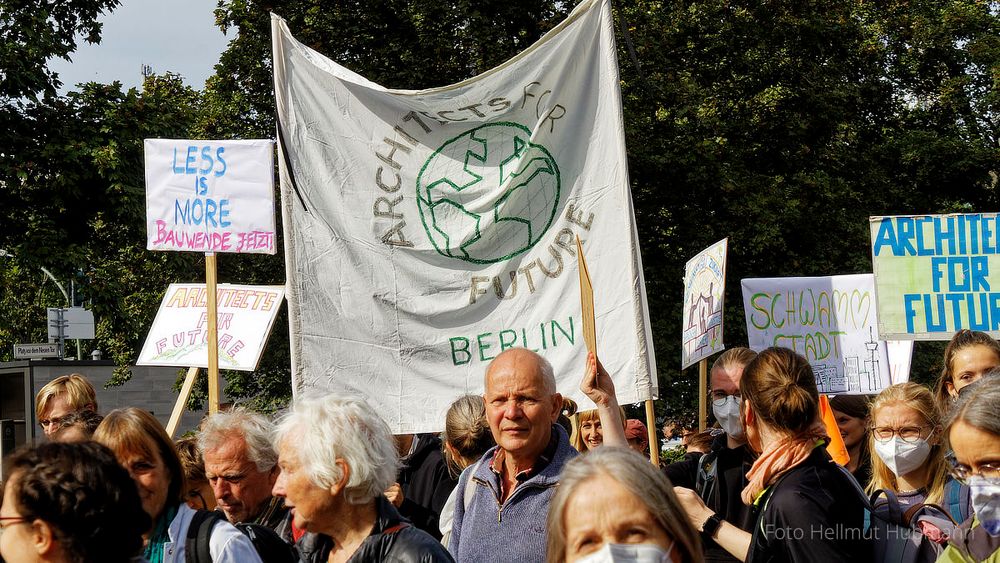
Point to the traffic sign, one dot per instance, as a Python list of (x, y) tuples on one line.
[(29, 351), (77, 323)]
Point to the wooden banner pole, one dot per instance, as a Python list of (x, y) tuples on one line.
[(182, 399), (213, 333), (654, 449), (702, 394)]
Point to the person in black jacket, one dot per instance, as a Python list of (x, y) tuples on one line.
[(392, 539), (720, 475), (805, 506), (424, 482), (337, 457)]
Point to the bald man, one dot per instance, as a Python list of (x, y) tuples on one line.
[(502, 502)]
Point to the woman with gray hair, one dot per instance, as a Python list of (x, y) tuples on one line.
[(336, 457), (613, 505), (974, 434)]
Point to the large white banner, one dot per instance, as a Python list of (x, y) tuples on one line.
[(179, 335), (830, 320), (704, 292), (427, 231), (210, 196)]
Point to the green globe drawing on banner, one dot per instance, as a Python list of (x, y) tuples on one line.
[(488, 194)]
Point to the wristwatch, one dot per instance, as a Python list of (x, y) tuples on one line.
[(710, 526)]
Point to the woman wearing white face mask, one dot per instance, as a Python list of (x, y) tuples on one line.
[(974, 435), (910, 487), (613, 505), (908, 457)]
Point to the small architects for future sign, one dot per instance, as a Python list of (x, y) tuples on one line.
[(179, 335), (210, 196)]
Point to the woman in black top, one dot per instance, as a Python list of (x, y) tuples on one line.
[(851, 413), (806, 507)]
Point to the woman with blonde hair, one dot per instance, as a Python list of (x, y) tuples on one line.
[(466, 435), (465, 439), (967, 357), (974, 432), (63, 395), (908, 453), (143, 448), (589, 432), (909, 467)]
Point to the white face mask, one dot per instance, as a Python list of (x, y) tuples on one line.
[(902, 457), (728, 416), (986, 502), (629, 553)]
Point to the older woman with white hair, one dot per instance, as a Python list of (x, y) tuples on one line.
[(337, 457), (613, 505)]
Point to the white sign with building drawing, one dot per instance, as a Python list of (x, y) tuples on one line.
[(830, 320), (704, 288)]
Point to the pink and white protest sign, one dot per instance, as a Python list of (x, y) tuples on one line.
[(179, 335), (210, 196)]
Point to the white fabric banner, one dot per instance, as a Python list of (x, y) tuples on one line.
[(427, 231), (832, 321)]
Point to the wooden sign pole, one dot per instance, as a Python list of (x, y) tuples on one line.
[(654, 450), (182, 399), (702, 394), (590, 339), (213, 333)]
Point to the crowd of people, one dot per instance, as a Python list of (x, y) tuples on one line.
[(519, 475)]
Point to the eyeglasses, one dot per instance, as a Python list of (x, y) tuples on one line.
[(718, 398), (909, 434), (988, 470), (46, 422), (11, 521)]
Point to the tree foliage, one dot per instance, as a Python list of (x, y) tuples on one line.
[(33, 33), (781, 125)]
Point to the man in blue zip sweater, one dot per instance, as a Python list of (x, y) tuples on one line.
[(503, 518)]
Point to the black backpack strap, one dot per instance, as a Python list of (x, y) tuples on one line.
[(267, 542), (196, 544), (708, 473)]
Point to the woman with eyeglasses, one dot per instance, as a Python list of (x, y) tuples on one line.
[(909, 463), (974, 434), (69, 502), (143, 448)]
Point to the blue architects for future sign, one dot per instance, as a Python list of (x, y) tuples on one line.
[(934, 274)]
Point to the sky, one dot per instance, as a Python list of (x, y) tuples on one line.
[(170, 36)]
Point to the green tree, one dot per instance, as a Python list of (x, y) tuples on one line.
[(33, 33), (79, 209), (784, 126)]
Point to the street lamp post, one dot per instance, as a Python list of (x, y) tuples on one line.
[(69, 303)]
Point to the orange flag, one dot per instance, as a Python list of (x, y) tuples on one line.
[(836, 447)]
